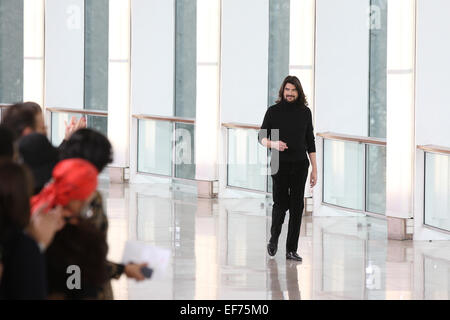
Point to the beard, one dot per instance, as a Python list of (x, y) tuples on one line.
[(294, 101)]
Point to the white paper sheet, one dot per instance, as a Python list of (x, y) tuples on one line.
[(155, 257)]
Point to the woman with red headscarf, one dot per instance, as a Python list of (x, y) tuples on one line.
[(73, 186)]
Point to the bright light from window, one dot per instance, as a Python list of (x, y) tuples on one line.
[(119, 80), (207, 129), (400, 108)]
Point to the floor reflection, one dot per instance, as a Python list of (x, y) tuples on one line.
[(219, 251), (292, 291)]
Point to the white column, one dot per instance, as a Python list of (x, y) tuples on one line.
[(208, 88), (400, 116), (302, 49), (34, 41), (119, 86), (432, 112), (302, 46)]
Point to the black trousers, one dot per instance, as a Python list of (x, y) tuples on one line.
[(288, 194)]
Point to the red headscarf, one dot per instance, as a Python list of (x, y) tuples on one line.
[(73, 179)]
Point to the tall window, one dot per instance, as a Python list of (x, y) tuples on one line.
[(279, 20), (185, 58), (378, 65), (11, 51), (96, 60), (185, 85), (376, 156)]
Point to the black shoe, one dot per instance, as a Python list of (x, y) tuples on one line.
[(293, 256), (271, 249)]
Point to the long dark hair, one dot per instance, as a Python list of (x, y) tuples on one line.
[(296, 82), (15, 192)]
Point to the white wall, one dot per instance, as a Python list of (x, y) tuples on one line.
[(245, 54), (342, 66), (152, 57), (432, 83), (432, 75), (64, 53)]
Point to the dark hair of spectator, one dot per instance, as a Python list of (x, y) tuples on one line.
[(19, 116), (89, 145), (6, 143), (15, 192)]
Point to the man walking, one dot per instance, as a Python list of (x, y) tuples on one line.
[(290, 119)]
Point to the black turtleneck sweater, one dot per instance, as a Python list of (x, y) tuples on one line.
[(294, 122)]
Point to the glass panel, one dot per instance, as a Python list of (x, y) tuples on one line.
[(343, 182), (11, 51), (58, 126), (155, 147), (436, 279), (247, 160), (98, 123), (279, 18), (437, 191), (377, 68), (376, 179), (185, 151), (96, 55), (185, 58)]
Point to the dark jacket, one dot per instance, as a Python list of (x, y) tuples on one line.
[(24, 271), (295, 128), (40, 156)]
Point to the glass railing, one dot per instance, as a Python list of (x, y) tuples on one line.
[(437, 187), (97, 120), (247, 159), (166, 146), (354, 172)]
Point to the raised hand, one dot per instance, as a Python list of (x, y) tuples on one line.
[(73, 126), (43, 225)]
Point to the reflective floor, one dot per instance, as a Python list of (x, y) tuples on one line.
[(219, 251)]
